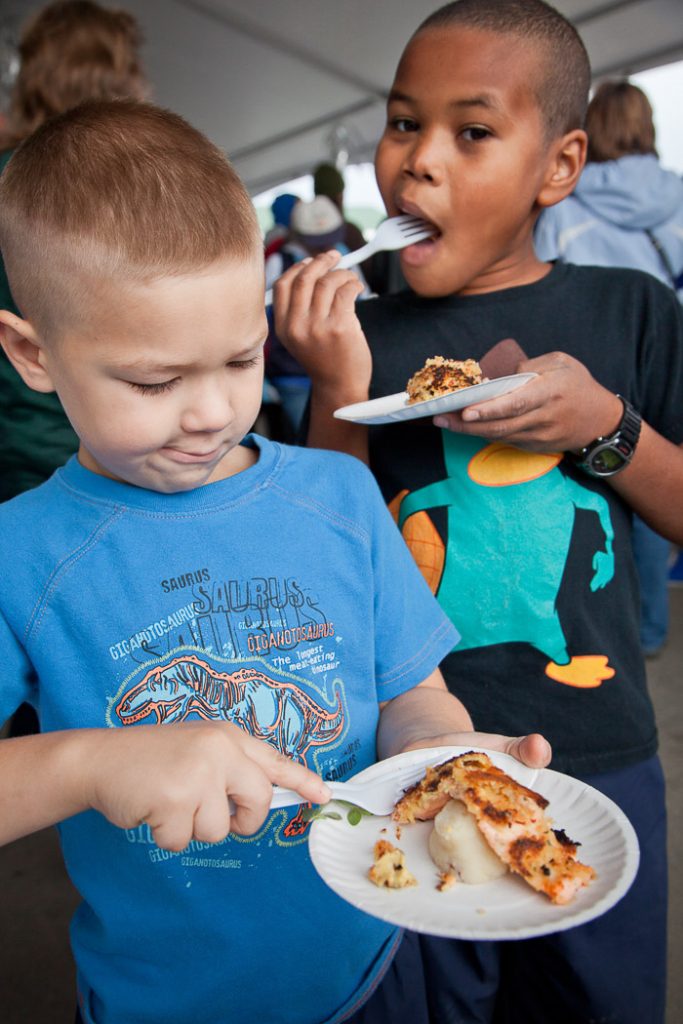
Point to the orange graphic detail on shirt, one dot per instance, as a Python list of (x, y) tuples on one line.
[(278, 712)]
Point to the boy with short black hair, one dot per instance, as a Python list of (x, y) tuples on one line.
[(517, 509), (255, 600)]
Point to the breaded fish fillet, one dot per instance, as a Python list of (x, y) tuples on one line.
[(511, 818)]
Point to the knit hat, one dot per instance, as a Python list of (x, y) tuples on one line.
[(281, 208), (327, 181), (319, 223)]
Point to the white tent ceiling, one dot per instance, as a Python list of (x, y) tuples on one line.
[(273, 81)]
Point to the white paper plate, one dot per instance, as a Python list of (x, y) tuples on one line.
[(506, 908), (393, 408)]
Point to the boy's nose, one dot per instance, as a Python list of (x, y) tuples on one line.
[(209, 410), (425, 161)]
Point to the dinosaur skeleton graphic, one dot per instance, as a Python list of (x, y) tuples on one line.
[(278, 712)]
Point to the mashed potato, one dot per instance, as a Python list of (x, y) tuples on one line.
[(456, 843)]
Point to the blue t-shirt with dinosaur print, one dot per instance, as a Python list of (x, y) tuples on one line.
[(283, 600)]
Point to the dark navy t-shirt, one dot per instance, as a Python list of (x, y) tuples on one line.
[(530, 557)]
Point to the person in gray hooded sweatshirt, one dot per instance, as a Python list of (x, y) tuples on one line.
[(626, 211)]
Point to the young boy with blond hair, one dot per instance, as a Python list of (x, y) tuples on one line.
[(518, 509), (256, 601)]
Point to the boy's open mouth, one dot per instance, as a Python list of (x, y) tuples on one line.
[(421, 252)]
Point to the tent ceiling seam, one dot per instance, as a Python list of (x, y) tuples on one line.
[(302, 129), (641, 62), (283, 46)]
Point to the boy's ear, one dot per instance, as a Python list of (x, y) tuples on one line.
[(567, 158), (25, 351)]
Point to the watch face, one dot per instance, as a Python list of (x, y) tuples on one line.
[(606, 461)]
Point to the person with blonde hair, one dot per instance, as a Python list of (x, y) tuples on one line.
[(626, 211), (70, 51), (209, 612)]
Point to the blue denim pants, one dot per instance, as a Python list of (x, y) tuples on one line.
[(651, 553)]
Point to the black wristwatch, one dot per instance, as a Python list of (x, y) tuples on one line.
[(609, 455)]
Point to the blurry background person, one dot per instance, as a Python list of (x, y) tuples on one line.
[(281, 209), (329, 181), (626, 211), (69, 52), (316, 226)]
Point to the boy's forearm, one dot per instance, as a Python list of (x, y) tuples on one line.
[(653, 484), (325, 431), (419, 717), (43, 780)]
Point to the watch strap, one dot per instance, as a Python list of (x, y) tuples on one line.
[(622, 443)]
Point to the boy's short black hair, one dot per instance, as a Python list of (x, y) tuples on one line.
[(562, 91)]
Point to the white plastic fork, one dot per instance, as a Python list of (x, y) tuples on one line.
[(378, 797), (394, 233)]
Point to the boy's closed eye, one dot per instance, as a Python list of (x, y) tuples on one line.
[(244, 364), (159, 387), (153, 389)]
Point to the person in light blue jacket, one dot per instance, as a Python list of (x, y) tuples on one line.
[(626, 211)]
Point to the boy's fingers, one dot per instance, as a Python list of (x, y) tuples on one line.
[(334, 298), (249, 788), (282, 291), (282, 288), (345, 296), (514, 404), (212, 819), (248, 817), (287, 773), (173, 832), (532, 750), (295, 294), (309, 271)]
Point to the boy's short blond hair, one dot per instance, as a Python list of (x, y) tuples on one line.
[(564, 83), (115, 190)]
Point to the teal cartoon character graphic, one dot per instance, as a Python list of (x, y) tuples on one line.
[(510, 516)]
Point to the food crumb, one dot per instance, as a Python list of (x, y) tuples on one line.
[(447, 880), (389, 869)]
